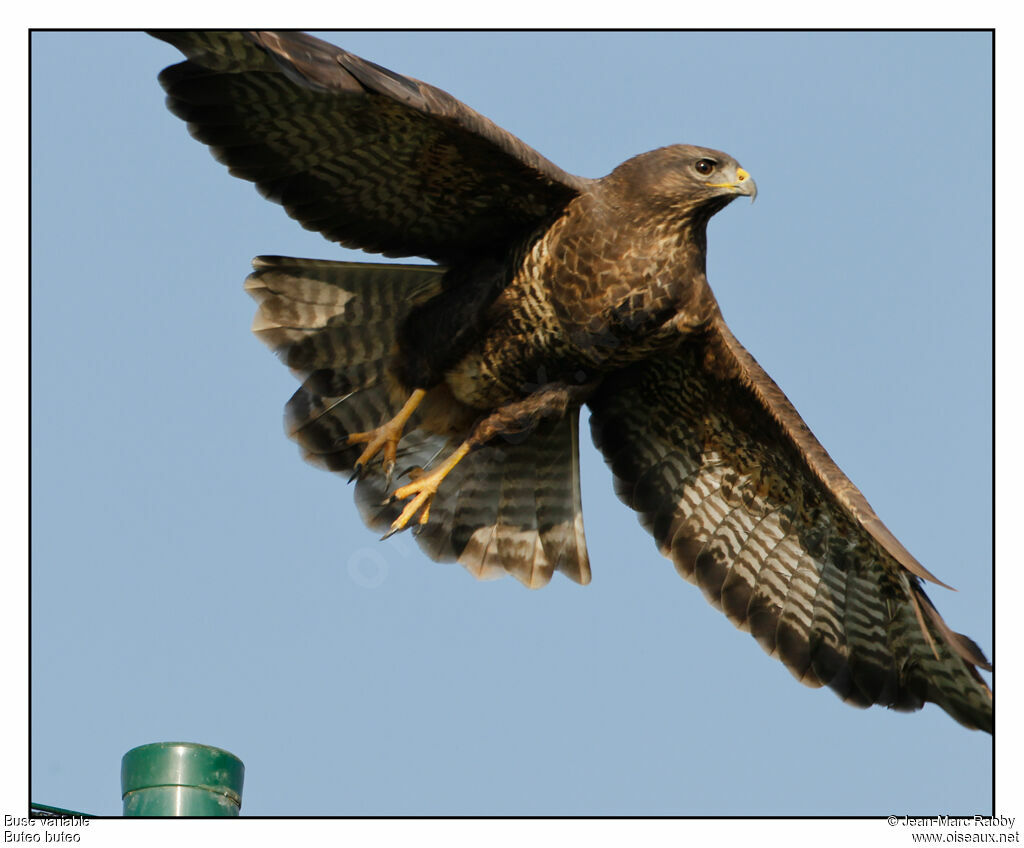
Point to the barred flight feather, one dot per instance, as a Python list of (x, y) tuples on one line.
[(737, 499)]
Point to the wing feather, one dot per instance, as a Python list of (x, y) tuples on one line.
[(367, 157), (750, 507)]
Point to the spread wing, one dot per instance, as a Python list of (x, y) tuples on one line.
[(749, 506), (367, 157)]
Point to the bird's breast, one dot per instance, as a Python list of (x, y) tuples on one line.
[(572, 312)]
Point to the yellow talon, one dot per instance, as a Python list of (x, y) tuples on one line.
[(424, 487), (423, 500), (387, 436)]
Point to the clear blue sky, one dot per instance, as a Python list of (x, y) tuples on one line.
[(194, 580)]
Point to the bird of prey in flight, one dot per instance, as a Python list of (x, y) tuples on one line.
[(451, 391)]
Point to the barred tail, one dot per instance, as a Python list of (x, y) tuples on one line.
[(509, 507)]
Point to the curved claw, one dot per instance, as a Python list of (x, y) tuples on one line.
[(384, 438), (420, 502), (422, 490), (360, 467)]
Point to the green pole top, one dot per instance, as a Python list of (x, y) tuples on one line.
[(181, 779)]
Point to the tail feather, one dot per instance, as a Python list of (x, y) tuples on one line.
[(510, 507), (489, 515)]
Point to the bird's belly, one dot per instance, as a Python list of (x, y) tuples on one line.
[(504, 369), (527, 352), (612, 346)]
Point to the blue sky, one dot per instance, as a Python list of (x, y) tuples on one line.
[(193, 579)]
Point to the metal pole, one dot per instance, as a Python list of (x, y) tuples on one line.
[(181, 779)]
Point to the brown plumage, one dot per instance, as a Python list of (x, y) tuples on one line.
[(551, 291)]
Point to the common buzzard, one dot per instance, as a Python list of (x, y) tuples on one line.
[(452, 391)]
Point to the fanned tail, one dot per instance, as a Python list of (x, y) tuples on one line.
[(511, 506)]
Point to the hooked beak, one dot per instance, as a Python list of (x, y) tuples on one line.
[(743, 184)]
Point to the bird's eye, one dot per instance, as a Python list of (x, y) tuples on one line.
[(704, 166)]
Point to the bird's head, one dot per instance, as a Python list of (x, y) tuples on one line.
[(683, 180)]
